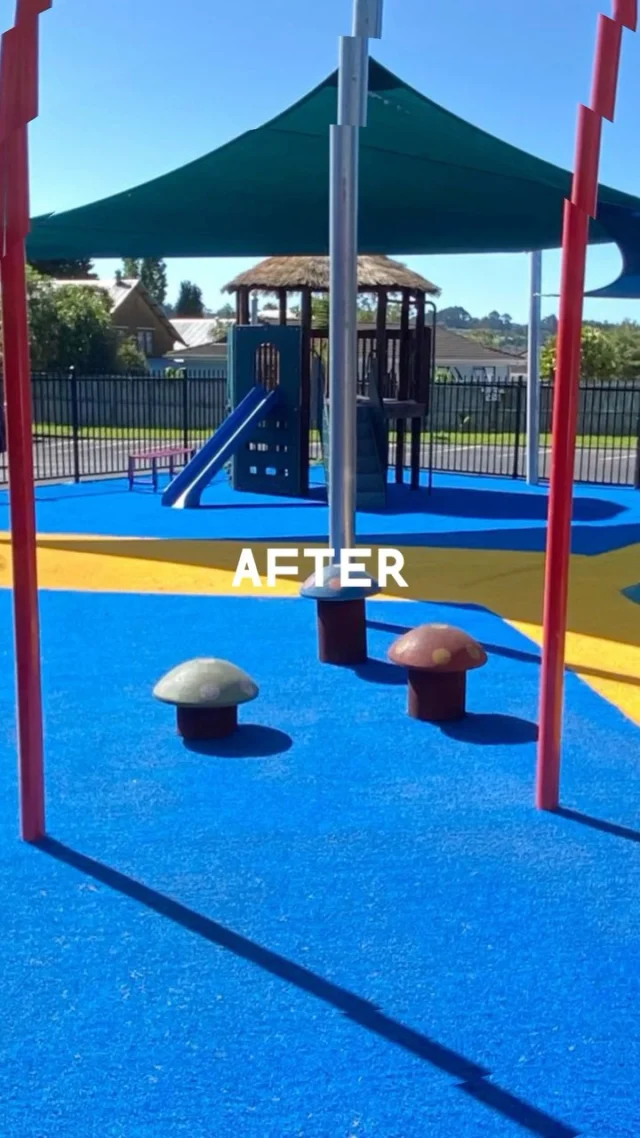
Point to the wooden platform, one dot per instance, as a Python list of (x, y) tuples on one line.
[(403, 409)]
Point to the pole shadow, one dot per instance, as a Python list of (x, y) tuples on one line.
[(471, 1076), (601, 824)]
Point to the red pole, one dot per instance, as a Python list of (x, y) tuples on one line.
[(18, 106), (575, 238), (17, 381), (556, 588)]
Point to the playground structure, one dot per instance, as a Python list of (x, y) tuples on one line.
[(279, 393), (263, 434), (394, 365), (18, 106)]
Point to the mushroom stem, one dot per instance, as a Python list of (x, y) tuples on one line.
[(206, 722), (342, 632), (437, 697)]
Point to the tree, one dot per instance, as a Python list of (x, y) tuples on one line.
[(151, 272), (227, 312), (455, 317), (598, 355), (153, 275), (67, 270), (485, 337), (319, 311), (626, 341), (130, 359), (189, 301), (366, 310), (69, 326), (84, 334), (41, 299), (493, 320)]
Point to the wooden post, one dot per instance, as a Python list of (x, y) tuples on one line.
[(242, 305), (403, 381), (282, 301), (417, 389), (381, 341), (305, 388)]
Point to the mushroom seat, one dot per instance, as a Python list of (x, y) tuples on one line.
[(437, 658), (328, 586), (342, 623), (206, 693)]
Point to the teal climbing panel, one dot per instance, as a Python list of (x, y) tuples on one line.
[(269, 461)]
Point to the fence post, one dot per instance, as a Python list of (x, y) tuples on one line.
[(636, 477), (75, 423), (516, 446), (185, 409)]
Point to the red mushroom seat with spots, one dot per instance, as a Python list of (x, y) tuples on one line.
[(437, 658)]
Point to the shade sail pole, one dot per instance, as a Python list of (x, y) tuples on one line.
[(578, 210), (353, 83), (23, 542), (533, 371), (18, 107)]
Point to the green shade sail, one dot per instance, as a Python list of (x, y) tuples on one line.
[(429, 183)]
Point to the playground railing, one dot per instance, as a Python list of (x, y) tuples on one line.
[(86, 426)]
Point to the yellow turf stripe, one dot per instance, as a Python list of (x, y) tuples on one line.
[(604, 627)]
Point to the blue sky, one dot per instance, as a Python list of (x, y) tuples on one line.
[(133, 88)]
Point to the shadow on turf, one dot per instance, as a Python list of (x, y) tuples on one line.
[(380, 672), (599, 824), (490, 504), (491, 729), (250, 741), (515, 653), (471, 1077)]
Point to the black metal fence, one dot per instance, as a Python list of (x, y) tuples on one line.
[(476, 427), (87, 426)]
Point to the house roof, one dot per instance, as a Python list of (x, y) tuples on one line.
[(454, 348), (210, 350), (118, 289), (195, 331), (296, 273), (429, 183)]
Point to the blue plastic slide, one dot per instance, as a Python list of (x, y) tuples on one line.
[(185, 490)]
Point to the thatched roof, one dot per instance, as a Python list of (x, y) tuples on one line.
[(297, 273)]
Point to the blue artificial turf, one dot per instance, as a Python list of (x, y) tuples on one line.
[(462, 511), (342, 923)]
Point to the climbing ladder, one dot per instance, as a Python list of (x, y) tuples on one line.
[(371, 473)]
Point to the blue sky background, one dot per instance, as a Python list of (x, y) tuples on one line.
[(133, 88)]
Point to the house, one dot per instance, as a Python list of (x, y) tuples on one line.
[(462, 357), (199, 334), (465, 358), (135, 314)]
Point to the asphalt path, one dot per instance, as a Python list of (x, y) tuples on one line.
[(55, 459)]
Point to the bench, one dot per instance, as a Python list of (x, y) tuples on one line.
[(152, 457)]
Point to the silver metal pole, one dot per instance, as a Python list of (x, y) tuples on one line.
[(343, 272), (254, 308), (533, 372)]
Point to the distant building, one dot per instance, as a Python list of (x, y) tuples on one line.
[(465, 358), (461, 356), (199, 334), (135, 314)]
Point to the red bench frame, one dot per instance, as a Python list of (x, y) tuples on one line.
[(152, 457)]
